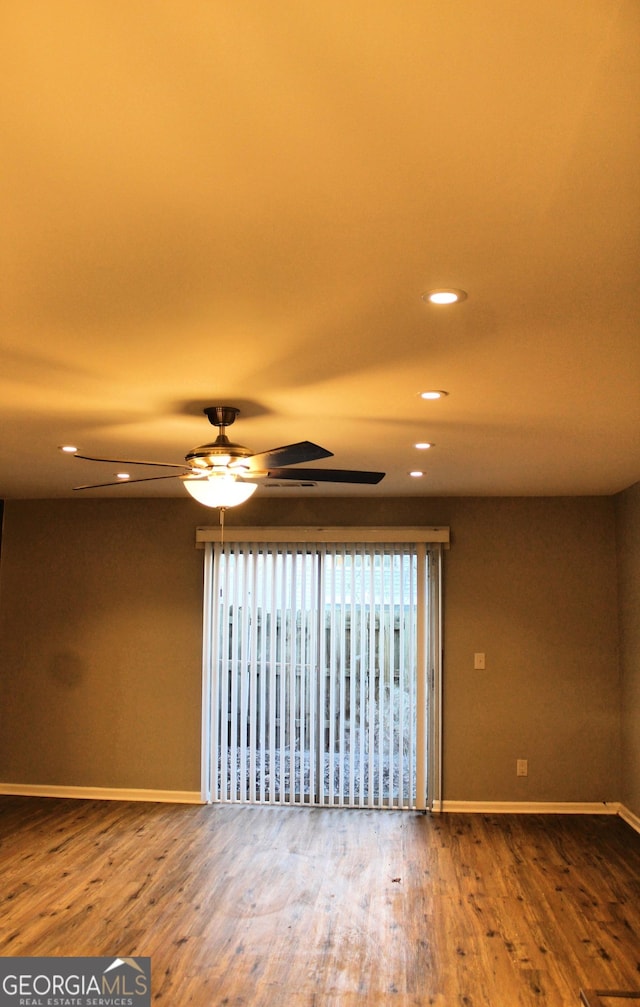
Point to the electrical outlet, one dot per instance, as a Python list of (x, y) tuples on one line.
[(522, 767)]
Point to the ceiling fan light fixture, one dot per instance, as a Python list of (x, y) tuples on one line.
[(444, 295), (220, 489)]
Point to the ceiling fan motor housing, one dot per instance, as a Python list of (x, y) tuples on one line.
[(219, 454)]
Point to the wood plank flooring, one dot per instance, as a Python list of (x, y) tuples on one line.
[(266, 907)]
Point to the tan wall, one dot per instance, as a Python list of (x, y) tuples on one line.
[(100, 628), (100, 622), (628, 539), (532, 584)]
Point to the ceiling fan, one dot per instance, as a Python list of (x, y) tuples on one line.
[(222, 474)]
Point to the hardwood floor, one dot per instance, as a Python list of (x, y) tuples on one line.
[(269, 906)]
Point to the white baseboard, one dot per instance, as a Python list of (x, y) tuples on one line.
[(542, 808), (532, 807), (462, 807), (102, 793), (629, 817)]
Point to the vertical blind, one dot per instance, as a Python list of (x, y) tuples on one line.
[(316, 673)]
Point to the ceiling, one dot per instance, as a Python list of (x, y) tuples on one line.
[(242, 203)]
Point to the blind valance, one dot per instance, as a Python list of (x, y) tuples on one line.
[(426, 534)]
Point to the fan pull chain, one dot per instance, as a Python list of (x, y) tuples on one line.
[(222, 510)]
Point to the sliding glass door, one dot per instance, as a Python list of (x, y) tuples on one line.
[(317, 673)]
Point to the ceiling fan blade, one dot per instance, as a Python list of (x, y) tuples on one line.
[(328, 475), (125, 482), (289, 454), (128, 461)]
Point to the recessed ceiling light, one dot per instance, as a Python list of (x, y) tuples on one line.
[(423, 445), (416, 474), (434, 394), (444, 295), (68, 449), (122, 475)]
